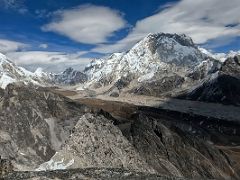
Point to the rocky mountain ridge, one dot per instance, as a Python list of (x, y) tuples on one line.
[(69, 77), (220, 56), (34, 123), (221, 87), (167, 65), (161, 65), (47, 131), (10, 73), (64, 134)]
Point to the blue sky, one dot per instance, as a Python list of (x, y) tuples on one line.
[(56, 34)]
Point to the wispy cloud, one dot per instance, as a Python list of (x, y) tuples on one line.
[(88, 24), (203, 20), (10, 46), (49, 61), (43, 46)]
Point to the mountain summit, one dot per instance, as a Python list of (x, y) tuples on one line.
[(70, 76), (156, 52), (10, 72)]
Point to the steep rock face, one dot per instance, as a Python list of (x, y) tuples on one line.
[(204, 69), (177, 148), (34, 122), (48, 129), (170, 143), (10, 72), (232, 66), (5, 167), (70, 77), (157, 87), (96, 142), (222, 86), (223, 89), (165, 53)]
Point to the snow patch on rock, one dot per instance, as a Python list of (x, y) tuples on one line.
[(55, 165)]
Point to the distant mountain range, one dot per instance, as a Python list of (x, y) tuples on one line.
[(10, 72), (166, 65), (159, 65)]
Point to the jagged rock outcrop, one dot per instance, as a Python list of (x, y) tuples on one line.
[(232, 66), (223, 89), (204, 69), (179, 148), (70, 77), (96, 142), (220, 56), (6, 167), (34, 123), (223, 86), (171, 143), (158, 87), (48, 129)]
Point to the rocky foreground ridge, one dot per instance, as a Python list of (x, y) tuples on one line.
[(47, 131)]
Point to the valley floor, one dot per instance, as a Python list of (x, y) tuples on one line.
[(211, 110)]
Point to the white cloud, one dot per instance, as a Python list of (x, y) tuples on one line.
[(203, 20), (44, 46), (87, 24), (121, 45), (49, 61), (8, 46)]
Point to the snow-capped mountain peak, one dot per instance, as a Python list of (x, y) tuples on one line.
[(156, 52), (39, 72), (168, 48), (10, 73), (220, 56)]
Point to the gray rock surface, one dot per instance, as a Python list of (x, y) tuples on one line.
[(232, 66), (89, 173), (96, 142), (42, 130), (177, 149), (221, 87), (34, 122), (69, 77), (159, 86), (175, 144)]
